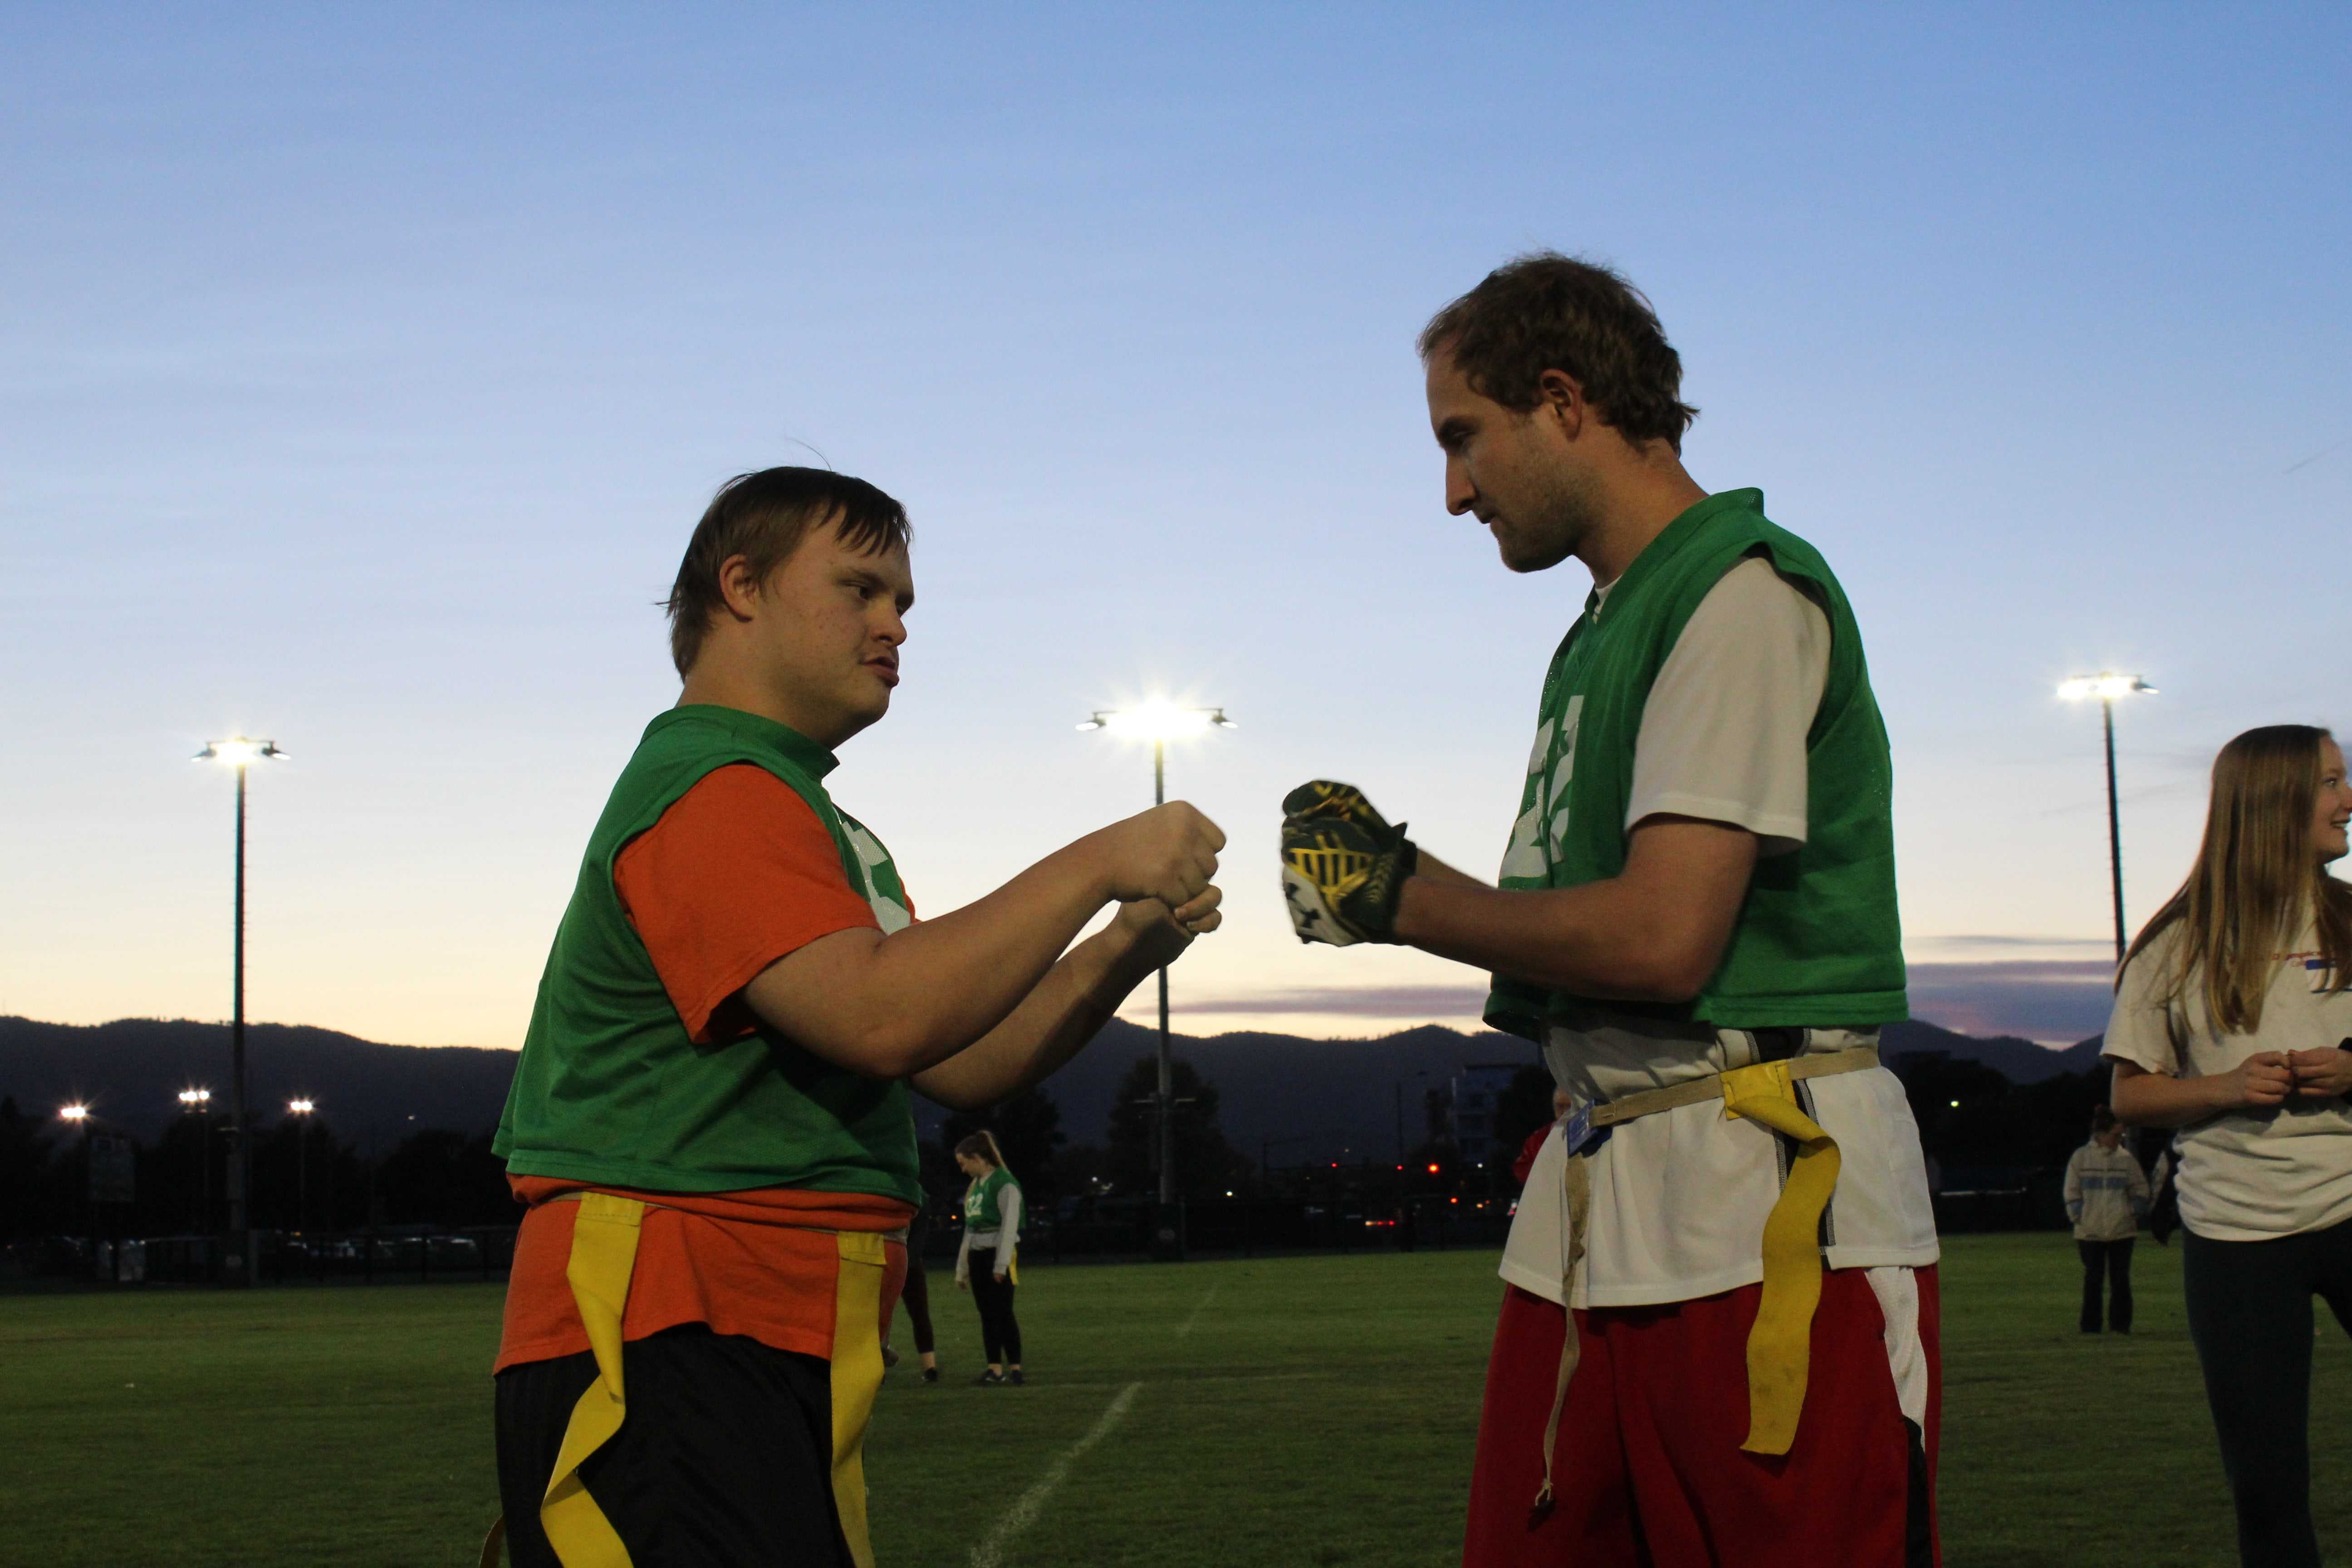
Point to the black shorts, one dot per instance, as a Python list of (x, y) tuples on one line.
[(725, 1457)]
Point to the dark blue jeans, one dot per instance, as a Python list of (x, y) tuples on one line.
[(2250, 1314), (2109, 1261)]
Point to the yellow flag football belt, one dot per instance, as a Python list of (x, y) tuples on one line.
[(1779, 1342), (602, 1259)]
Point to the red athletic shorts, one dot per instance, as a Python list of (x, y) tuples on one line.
[(1649, 1472)]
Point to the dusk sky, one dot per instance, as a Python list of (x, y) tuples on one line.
[(362, 372)]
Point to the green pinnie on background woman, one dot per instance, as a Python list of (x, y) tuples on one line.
[(2233, 1021), (984, 1264)]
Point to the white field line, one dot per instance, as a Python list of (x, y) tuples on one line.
[(990, 1552), (1185, 1332)]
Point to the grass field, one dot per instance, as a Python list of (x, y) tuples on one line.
[(1308, 1411)]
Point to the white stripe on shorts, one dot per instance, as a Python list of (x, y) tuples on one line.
[(1897, 1290)]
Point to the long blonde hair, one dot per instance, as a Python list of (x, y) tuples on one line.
[(982, 1145), (2254, 880)]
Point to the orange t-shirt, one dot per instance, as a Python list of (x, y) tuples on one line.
[(738, 872)]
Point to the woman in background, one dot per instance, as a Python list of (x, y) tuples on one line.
[(2106, 1193), (2230, 1022), (915, 1296), (992, 1227)]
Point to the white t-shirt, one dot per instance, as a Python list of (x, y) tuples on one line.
[(1679, 1199), (2245, 1176), (1723, 734)]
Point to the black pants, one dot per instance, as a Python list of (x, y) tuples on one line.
[(915, 1295), (1000, 1335), (724, 1460), (2250, 1313), (2112, 1259)]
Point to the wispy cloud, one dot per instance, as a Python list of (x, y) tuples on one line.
[(2039, 998), (1369, 1001), (2011, 944)]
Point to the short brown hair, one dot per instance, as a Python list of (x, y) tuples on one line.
[(1548, 311), (763, 517)]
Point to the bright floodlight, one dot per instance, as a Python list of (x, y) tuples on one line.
[(73, 1113), (2104, 685), (236, 751), (301, 1107), (1158, 720), (195, 1096)]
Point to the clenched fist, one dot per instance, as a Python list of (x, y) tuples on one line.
[(1160, 934), (1168, 853)]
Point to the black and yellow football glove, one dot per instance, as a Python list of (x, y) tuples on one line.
[(1343, 866)]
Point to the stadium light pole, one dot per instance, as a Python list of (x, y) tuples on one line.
[(198, 1103), (240, 753), (302, 1108), (77, 1115), (2106, 687), (1160, 722)]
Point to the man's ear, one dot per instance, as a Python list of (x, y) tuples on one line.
[(738, 588), (1559, 396)]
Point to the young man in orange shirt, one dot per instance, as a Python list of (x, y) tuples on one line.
[(710, 1121)]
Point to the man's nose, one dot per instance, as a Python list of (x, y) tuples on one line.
[(1461, 494)]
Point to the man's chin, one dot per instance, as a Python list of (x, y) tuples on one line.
[(1518, 557), (865, 713)]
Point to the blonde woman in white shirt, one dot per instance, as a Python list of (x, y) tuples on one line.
[(2232, 1023)]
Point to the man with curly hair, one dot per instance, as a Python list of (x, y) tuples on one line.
[(1717, 1343)]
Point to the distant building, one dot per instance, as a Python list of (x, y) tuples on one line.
[(1476, 1093)]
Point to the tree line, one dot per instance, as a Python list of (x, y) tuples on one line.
[(309, 1176), (306, 1175)]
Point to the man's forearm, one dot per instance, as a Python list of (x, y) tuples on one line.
[(1591, 940), (892, 1007), (1654, 932), (963, 974), (1062, 1011), (1437, 870)]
